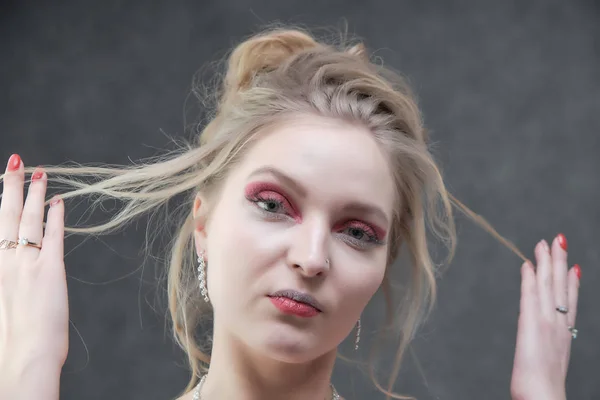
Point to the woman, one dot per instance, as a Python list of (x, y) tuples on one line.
[(313, 176)]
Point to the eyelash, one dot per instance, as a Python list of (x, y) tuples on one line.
[(365, 229), (269, 199)]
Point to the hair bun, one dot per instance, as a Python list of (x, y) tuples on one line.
[(263, 53)]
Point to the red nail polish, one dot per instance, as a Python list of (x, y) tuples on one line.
[(37, 174), (562, 241), (577, 270), (14, 162)]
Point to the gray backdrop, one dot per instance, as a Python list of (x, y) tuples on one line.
[(510, 91)]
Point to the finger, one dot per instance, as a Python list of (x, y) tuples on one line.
[(11, 205), (55, 228), (529, 305), (559, 272), (32, 218), (574, 276), (544, 279), (529, 293)]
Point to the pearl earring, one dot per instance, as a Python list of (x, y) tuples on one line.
[(202, 277)]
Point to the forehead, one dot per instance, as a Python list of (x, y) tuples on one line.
[(327, 157)]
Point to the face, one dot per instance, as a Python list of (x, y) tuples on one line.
[(310, 190)]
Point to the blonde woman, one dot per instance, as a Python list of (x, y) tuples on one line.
[(310, 180)]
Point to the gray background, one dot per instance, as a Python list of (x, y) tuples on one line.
[(510, 90)]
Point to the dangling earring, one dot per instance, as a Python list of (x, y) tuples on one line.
[(202, 277), (357, 335)]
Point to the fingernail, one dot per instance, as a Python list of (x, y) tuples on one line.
[(545, 244), (577, 270), (14, 162), (562, 241), (37, 174), (54, 201)]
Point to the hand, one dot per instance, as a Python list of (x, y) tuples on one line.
[(543, 338), (34, 315)]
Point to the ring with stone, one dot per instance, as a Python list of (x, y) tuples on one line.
[(26, 242)]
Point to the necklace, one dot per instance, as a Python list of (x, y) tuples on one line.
[(334, 393)]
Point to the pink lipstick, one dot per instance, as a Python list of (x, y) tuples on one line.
[(294, 302), (293, 307)]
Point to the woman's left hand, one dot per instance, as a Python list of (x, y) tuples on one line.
[(544, 338)]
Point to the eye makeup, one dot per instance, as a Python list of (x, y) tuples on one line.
[(268, 194), (270, 199), (356, 230)]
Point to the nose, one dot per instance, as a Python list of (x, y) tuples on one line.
[(308, 251)]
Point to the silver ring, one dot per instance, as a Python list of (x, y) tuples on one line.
[(562, 309), (573, 331), (7, 244), (26, 242)]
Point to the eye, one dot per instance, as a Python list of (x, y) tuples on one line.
[(270, 200), (272, 204), (356, 233), (361, 235), (269, 205)]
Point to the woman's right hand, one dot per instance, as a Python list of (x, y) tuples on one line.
[(34, 313)]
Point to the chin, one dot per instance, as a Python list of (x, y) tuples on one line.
[(287, 344)]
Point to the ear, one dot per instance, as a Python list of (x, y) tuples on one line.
[(199, 214)]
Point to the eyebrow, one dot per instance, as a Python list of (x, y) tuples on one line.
[(356, 206), (289, 181)]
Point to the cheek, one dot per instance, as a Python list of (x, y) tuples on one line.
[(359, 286), (245, 245), (370, 282)]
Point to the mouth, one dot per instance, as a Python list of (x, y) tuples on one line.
[(299, 297)]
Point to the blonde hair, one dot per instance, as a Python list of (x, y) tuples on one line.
[(270, 77)]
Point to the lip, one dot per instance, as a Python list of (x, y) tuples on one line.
[(300, 297)]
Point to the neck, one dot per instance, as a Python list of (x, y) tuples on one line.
[(237, 372)]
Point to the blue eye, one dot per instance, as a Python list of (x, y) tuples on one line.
[(360, 235), (272, 203), (269, 205)]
